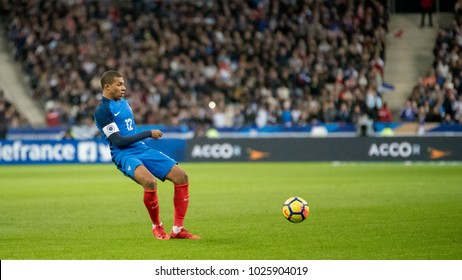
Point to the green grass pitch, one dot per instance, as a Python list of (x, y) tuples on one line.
[(357, 211)]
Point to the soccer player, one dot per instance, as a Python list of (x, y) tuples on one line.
[(114, 119)]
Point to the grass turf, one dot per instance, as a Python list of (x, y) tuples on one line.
[(357, 211)]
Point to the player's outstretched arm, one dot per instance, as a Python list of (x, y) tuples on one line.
[(122, 141)]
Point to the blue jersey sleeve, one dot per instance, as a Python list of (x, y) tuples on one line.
[(104, 119), (122, 141)]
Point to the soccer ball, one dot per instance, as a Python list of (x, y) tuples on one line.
[(295, 209)]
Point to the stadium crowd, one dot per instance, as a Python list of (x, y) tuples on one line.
[(195, 63), (9, 116), (437, 97)]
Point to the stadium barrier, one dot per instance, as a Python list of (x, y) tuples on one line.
[(326, 149), (241, 150), (74, 151)]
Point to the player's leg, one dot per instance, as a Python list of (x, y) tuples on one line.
[(147, 180), (180, 196), (180, 201), (165, 168)]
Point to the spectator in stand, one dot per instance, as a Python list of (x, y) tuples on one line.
[(458, 9), (458, 110), (450, 104), (426, 8), (384, 114), (373, 102), (10, 117), (434, 115), (343, 114), (3, 123), (409, 113)]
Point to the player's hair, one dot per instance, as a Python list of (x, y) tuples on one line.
[(108, 77)]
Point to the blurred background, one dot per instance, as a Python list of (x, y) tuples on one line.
[(207, 71)]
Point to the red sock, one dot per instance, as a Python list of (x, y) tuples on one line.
[(180, 202), (151, 201)]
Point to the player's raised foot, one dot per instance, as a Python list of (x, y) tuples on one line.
[(183, 234), (159, 232)]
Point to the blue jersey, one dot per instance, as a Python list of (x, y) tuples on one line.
[(116, 116)]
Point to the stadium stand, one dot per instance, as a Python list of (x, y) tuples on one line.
[(436, 96), (206, 63)]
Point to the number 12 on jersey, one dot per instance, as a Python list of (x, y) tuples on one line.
[(129, 123)]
